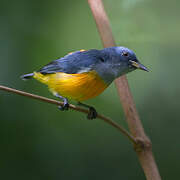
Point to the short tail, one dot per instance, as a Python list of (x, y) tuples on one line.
[(27, 76)]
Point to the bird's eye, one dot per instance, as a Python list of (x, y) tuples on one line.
[(125, 53), (102, 59)]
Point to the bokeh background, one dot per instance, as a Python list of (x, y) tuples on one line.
[(37, 141)]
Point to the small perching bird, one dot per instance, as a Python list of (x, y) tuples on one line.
[(82, 75)]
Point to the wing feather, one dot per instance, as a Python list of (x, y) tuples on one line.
[(77, 62)]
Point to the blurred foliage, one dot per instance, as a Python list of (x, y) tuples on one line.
[(40, 142)]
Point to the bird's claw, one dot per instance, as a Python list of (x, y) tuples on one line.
[(92, 113), (64, 107)]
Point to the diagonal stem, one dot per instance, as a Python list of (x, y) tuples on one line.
[(71, 106), (143, 146)]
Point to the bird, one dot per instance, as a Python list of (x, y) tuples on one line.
[(84, 74)]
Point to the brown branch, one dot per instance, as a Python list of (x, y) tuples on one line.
[(71, 106), (143, 147)]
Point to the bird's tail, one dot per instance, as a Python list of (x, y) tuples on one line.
[(27, 76)]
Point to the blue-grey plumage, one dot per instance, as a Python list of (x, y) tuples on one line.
[(109, 63)]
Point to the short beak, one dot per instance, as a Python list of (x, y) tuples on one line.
[(139, 66)]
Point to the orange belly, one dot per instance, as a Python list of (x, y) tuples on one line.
[(79, 87)]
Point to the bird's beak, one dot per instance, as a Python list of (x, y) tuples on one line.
[(139, 66)]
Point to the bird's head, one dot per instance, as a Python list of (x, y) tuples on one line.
[(129, 59), (117, 61)]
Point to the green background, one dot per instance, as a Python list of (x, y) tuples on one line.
[(37, 141)]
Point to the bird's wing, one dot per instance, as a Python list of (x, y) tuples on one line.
[(76, 62)]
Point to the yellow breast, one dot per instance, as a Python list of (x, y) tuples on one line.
[(79, 87)]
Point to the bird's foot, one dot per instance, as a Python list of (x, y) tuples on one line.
[(92, 113), (64, 107)]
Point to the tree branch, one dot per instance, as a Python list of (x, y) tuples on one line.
[(143, 146), (71, 106)]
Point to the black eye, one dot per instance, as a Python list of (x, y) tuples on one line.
[(125, 53), (101, 59)]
